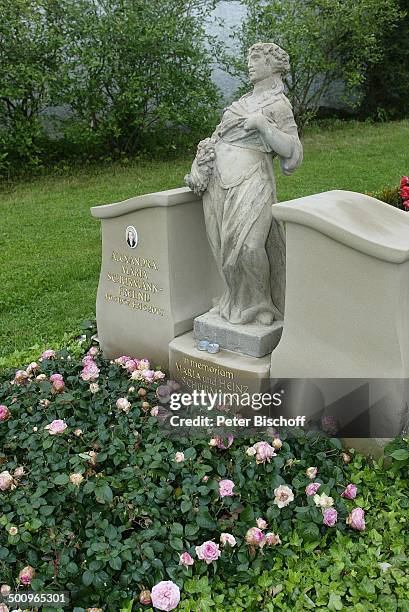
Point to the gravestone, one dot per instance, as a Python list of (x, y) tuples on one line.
[(156, 273), (347, 298)]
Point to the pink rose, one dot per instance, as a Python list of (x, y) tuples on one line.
[(165, 595), (283, 496), (311, 472), (185, 559), (261, 523), (56, 427), (356, 519), (90, 372), (6, 481), (58, 386), (179, 457), (223, 443), (404, 192), (330, 516), (158, 375), (350, 492), (5, 589), (227, 538), (155, 411), (123, 404), (55, 377), (255, 537), (148, 375), (312, 488), (26, 575), (48, 354), (32, 367), (226, 488), (122, 360), (144, 364), (4, 413), (272, 539), (93, 351), (3, 608), (208, 552), (131, 365), (264, 452), (21, 377)]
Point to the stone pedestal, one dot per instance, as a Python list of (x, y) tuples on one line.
[(252, 339), (157, 273), (347, 291), (225, 372)]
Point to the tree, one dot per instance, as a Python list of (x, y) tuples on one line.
[(31, 38), (328, 41), (386, 89), (140, 73)]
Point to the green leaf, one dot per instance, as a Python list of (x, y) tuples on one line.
[(335, 602), (186, 505), (247, 516), (3, 552), (309, 532), (191, 529), (87, 577), (400, 455), (115, 563), (176, 529), (104, 493), (176, 543), (204, 520), (61, 479)]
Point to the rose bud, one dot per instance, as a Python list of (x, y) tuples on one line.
[(145, 598), (346, 458), (26, 575), (4, 413), (19, 472), (76, 479)]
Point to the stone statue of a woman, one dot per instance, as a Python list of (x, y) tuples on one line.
[(233, 170)]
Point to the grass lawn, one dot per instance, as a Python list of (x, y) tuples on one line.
[(51, 245)]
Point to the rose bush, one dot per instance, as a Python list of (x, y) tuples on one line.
[(109, 508)]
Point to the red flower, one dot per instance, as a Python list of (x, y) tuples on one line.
[(404, 193), (406, 205), (404, 181)]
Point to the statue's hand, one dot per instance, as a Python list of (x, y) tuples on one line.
[(254, 122)]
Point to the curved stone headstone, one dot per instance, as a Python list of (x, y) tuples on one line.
[(157, 273), (347, 290)]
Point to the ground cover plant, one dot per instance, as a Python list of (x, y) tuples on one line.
[(49, 273), (98, 500)]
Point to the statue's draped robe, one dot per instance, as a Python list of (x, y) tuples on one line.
[(232, 208)]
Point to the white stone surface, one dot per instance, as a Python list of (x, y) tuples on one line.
[(347, 291), (254, 340), (234, 171), (149, 294)]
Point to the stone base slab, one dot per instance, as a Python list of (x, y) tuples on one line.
[(253, 340), (225, 372)]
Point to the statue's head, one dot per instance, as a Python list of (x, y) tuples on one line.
[(266, 59)]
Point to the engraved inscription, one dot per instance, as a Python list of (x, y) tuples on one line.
[(209, 376), (133, 286)]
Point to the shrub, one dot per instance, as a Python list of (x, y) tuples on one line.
[(31, 65), (140, 74), (106, 502), (329, 42)]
